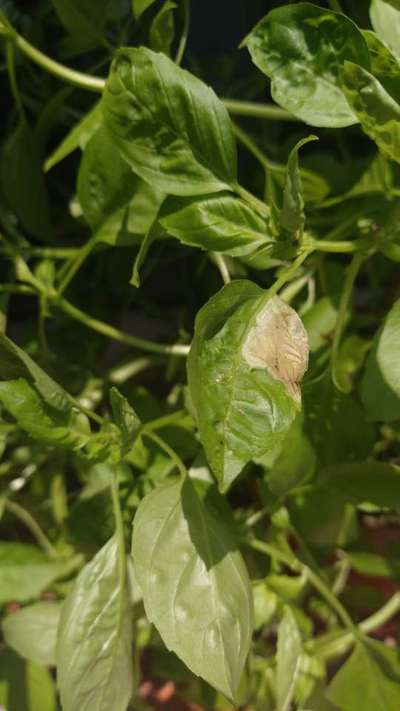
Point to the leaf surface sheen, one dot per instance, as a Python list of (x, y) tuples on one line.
[(194, 583)]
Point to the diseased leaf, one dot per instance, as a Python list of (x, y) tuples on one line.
[(22, 181), (94, 651), (380, 388), (25, 686), (385, 19), (78, 137), (373, 669), (66, 428), (247, 358), (377, 111), (32, 631), (25, 572), (194, 583), (219, 223), (162, 28), (301, 48), (288, 657), (292, 216), (170, 127)]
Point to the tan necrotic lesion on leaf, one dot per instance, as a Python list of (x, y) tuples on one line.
[(278, 342)]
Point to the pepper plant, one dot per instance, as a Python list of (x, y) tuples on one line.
[(200, 355)]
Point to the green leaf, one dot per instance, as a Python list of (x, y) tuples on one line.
[(170, 127), (32, 632), (348, 362), (67, 428), (22, 181), (247, 357), (82, 17), (384, 65), (220, 223), (373, 670), (377, 483), (380, 390), (125, 418), (78, 137), (292, 216), (385, 19), (94, 651), (162, 28), (194, 583), (25, 572), (294, 464), (288, 657), (377, 111), (140, 6), (301, 48), (24, 686)]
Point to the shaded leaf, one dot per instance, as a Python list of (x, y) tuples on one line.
[(25, 686), (373, 669), (301, 48), (82, 17), (377, 483), (22, 181), (25, 572), (162, 28), (194, 583), (32, 632), (94, 651), (140, 6), (170, 127)]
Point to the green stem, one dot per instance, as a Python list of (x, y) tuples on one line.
[(246, 140), (185, 32), (299, 567), (168, 450), (252, 200), (220, 262), (76, 263), (163, 421), (337, 644), (351, 275), (340, 246), (26, 518), (71, 76), (289, 273), (54, 252), (266, 111), (116, 334)]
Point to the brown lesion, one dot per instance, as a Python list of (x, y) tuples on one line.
[(278, 342)]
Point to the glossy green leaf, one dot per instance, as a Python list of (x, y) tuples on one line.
[(302, 47), (67, 428), (384, 65), (373, 670), (247, 357), (162, 28), (194, 583), (94, 651), (219, 223), (377, 111), (380, 389), (170, 127), (78, 137), (25, 572), (292, 216), (385, 19), (32, 631), (22, 181), (288, 658), (82, 17), (25, 686)]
